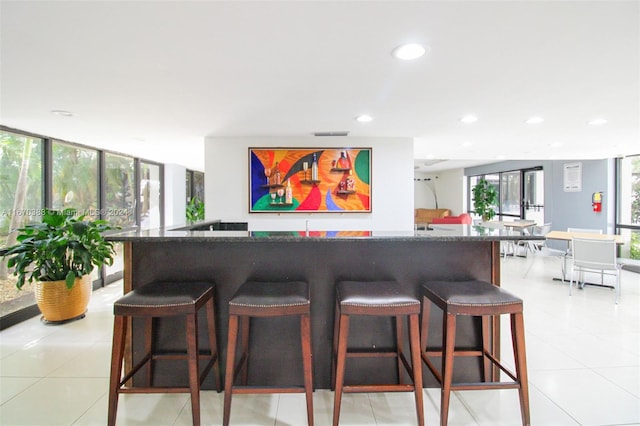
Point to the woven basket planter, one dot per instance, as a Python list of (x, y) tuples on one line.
[(59, 304)]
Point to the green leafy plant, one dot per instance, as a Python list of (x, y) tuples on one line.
[(485, 197), (195, 210), (62, 247)]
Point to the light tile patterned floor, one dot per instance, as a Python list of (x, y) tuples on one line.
[(583, 354)]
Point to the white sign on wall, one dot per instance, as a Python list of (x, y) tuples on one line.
[(572, 177)]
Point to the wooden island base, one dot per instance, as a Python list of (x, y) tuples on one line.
[(231, 258)]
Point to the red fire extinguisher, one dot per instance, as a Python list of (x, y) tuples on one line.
[(596, 202)]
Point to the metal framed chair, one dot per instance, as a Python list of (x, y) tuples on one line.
[(594, 255), (585, 230), (533, 245), (540, 249), (582, 231)]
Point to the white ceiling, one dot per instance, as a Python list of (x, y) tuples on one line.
[(153, 78)]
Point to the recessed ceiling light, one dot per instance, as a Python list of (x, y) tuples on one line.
[(500, 157), (466, 144), (534, 120), (597, 122), (364, 118), (62, 112), (469, 118), (409, 51), (556, 144)]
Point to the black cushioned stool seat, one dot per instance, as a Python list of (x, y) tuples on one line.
[(267, 299), (376, 298), (155, 300), (474, 298)]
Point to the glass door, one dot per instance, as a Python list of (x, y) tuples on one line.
[(510, 191), (533, 196)]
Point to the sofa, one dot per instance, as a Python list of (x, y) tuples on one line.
[(423, 217), (461, 219)]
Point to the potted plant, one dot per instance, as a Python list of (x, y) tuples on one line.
[(195, 210), (485, 197), (59, 255)]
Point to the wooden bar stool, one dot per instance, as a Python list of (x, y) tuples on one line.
[(376, 298), (474, 298), (267, 299), (164, 299)]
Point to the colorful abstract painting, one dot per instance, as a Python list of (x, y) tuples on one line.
[(286, 180)]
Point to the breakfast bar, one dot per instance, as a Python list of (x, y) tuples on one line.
[(321, 258)]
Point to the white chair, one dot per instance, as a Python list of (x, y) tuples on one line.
[(585, 230), (590, 255), (539, 248), (533, 245)]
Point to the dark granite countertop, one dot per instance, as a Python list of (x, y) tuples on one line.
[(436, 233)]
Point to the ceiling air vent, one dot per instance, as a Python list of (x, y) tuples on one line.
[(330, 133), (432, 162)]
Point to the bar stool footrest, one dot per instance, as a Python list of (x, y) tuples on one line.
[(154, 389), (267, 389), (377, 388), (485, 385)]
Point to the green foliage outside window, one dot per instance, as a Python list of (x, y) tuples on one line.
[(195, 210)]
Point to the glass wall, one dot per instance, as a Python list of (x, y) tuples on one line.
[(75, 179), (21, 202), (520, 193), (38, 172), (150, 195), (198, 185), (492, 179), (628, 205), (119, 200), (510, 194)]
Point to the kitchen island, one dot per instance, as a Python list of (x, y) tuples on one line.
[(229, 258)]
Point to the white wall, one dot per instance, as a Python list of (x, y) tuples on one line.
[(175, 194), (226, 184), (449, 187)]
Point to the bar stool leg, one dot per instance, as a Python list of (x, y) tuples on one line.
[(245, 322), (334, 353), (399, 349), (487, 370), (305, 337), (192, 357), (213, 342), (148, 347), (424, 327), (517, 335), (416, 365), (228, 375), (343, 333), (117, 355), (448, 343)]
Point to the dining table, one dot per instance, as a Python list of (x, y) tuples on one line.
[(519, 226), (569, 235)]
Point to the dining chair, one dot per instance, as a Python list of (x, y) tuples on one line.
[(594, 255), (540, 249), (533, 245), (583, 231)]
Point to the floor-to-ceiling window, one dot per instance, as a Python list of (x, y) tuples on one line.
[(150, 195), (21, 203), (38, 172), (628, 205), (74, 178), (510, 194), (520, 193), (74, 181), (119, 201)]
